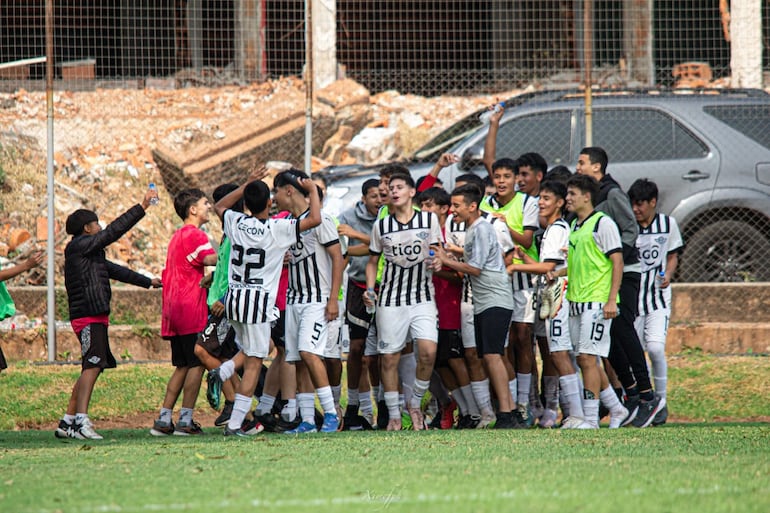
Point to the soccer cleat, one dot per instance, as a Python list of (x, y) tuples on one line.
[(283, 425), (160, 428), (587, 425), (331, 423), (85, 431), (618, 417), (548, 419), (235, 432), (251, 427), (632, 405), (505, 421), (524, 417), (64, 430), (551, 298), (304, 427), (350, 419), (647, 412), (487, 420), (268, 421), (213, 388), (227, 410), (447, 419), (571, 422), (187, 428), (468, 421), (418, 420), (394, 425), (661, 417), (382, 415)]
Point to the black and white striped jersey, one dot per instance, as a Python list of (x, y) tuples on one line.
[(310, 265), (655, 242), (256, 258), (406, 280)]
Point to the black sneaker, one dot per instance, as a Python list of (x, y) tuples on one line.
[(284, 425), (468, 421), (661, 417), (647, 412), (350, 419), (64, 430), (382, 415), (252, 427), (632, 405), (269, 421), (505, 421), (227, 410)]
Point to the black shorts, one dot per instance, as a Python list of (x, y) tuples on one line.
[(278, 330), (218, 338), (95, 347), (491, 328), (355, 312), (450, 345), (3, 363), (183, 350)]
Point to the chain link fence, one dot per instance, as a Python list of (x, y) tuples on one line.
[(193, 93)]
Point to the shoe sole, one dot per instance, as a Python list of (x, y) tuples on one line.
[(155, 432), (60, 434), (631, 416), (183, 433)]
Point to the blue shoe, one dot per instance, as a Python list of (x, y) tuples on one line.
[(331, 423), (214, 388), (304, 427)]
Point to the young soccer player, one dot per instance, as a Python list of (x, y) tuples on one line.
[(7, 308), (87, 275), (315, 277), (594, 271), (405, 303), (258, 248), (659, 244), (492, 300), (185, 310)]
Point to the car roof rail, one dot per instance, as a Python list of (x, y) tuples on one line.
[(573, 93)]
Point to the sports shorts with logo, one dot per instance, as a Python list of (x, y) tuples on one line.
[(95, 347), (306, 330), (589, 330), (397, 324)]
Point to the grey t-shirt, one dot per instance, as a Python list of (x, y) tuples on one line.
[(493, 286)]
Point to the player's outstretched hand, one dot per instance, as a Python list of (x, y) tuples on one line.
[(258, 173)]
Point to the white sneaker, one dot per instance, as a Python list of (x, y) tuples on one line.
[(552, 296), (617, 417), (487, 418), (587, 425), (548, 419), (85, 431), (571, 422)]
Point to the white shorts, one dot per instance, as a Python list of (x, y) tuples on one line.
[(589, 330), (333, 347), (306, 330), (370, 346), (653, 327), (523, 311), (398, 324), (467, 329), (558, 330), (254, 339)]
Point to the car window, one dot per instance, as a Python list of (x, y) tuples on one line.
[(629, 134), (750, 120), (547, 133)]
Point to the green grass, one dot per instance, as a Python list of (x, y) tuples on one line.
[(681, 468)]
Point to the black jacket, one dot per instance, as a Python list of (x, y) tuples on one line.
[(615, 203), (87, 272)]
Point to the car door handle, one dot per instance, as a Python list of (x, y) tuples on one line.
[(695, 175)]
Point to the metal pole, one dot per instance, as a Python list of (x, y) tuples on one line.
[(51, 291), (588, 45), (308, 85)]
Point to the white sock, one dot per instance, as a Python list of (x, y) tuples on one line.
[(80, 417), (393, 405), (185, 415), (306, 403), (522, 394), (513, 388), (481, 395), (570, 386), (551, 392), (420, 387), (336, 393), (226, 370), (407, 373), (377, 393), (289, 410), (591, 411), (240, 408), (353, 397), (459, 398), (265, 405), (69, 419), (326, 398), (609, 399), (657, 354), (365, 403), (470, 400), (165, 414)]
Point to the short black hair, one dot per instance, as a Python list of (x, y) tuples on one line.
[(558, 173), (186, 199), (557, 188), (469, 192), (585, 183), (506, 163), (255, 195), (533, 160), (436, 195), (371, 183), (225, 189), (78, 220), (472, 178), (406, 177), (289, 177), (643, 190), (596, 155), (390, 169)]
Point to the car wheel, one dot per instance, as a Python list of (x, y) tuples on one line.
[(726, 251)]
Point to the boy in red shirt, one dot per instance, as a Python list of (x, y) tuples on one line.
[(185, 310)]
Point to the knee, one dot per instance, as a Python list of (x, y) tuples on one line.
[(656, 350)]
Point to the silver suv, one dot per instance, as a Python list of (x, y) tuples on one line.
[(707, 150)]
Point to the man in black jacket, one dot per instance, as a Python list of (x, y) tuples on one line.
[(87, 275)]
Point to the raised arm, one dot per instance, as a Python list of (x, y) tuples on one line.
[(232, 198), (490, 144)]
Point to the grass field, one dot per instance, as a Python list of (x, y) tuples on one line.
[(699, 463)]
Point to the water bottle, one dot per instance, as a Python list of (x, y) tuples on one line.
[(659, 279), (370, 295), (487, 114), (154, 200), (429, 260)]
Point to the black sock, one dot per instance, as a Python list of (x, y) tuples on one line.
[(647, 396)]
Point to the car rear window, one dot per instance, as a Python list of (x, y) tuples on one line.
[(750, 120)]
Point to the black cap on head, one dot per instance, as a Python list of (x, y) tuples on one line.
[(79, 219)]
